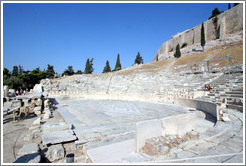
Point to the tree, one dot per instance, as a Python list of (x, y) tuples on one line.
[(203, 41), (88, 66), (68, 71), (50, 73), (20, 69), (177, 54), (79, 72), (215, 12), (139, 59), (235, 4), (6, 72), (107, 68), (15, 71), (13, 82), (117, 65), (229, 6)]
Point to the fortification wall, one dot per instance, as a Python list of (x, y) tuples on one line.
[(228, 22)]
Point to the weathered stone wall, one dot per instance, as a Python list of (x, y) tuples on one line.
[(205, 106), (169, 125), (228, 22)]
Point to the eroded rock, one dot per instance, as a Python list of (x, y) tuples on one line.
[(55, 152)]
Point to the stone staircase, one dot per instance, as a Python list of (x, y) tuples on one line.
[(228, 90)]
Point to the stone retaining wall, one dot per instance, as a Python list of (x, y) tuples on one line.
[(179, 124), (205, 106)]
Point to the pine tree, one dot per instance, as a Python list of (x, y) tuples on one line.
[(6, 72), (50, 73), (107, 68), (117, 65), (68, 71), (203, 41), (88, 67), (229, 6), (139, 59), (177, 53), (215, 12), (79, 72)]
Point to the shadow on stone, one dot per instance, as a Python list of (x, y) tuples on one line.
[(44, 159), (29, 158), (210, 118)]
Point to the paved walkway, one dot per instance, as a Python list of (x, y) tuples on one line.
[(102, 125)]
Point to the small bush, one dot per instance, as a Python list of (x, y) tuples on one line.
[(184, 45), (171, 50)]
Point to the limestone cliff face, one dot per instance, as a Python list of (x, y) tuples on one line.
[(228, 22)]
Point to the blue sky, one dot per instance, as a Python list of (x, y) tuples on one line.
[(38, 34)]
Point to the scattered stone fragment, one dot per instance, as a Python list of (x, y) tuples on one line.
[(36, 122), (55, 152), (47, 114), (37, 108), (151, 148), (37, 113), (56, 127), (24, 111), (226, 119), (29, 149), (58, 137), (36, 133)]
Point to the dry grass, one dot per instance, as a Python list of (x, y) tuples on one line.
[(212, 53), (168, 65)]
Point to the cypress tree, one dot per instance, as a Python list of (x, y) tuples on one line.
[(107, 68), (177, 53), (139, 59), (229, 6), (117, 65), (15, 71), (203, 41), (88, 67)]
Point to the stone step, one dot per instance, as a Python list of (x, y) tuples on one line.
[(235, 92), (235, 95), (235, 103), (104, 141), (112, 153), (236, 107), (237, 89), (234, 98)]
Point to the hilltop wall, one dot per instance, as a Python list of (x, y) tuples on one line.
[(228, 22)]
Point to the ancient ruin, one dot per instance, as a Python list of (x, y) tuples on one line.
[(160, 112)]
